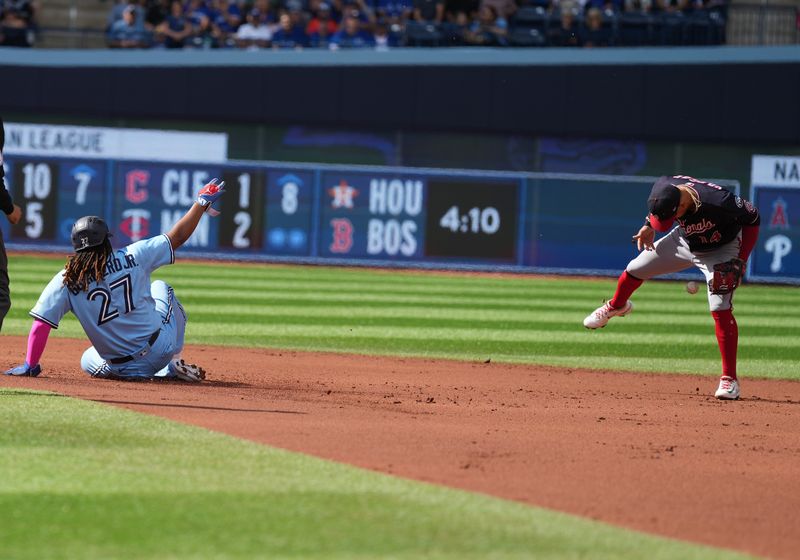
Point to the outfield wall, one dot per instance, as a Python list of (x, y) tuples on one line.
[(355, 215), (726, 94)]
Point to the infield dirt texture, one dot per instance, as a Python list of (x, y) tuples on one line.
[(648, 451)]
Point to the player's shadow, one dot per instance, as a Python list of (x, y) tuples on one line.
[(200, 407)]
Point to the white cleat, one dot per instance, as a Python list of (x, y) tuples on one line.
[(728, 389), (600, 316), (187, 372)]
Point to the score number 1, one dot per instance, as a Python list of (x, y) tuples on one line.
[(476, 220)]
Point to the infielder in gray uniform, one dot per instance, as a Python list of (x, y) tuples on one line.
[(716, 232), (136, 327)]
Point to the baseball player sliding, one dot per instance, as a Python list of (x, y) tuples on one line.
[(716, 232), (136, 328)]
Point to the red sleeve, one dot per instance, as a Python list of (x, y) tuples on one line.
[(749, 238)]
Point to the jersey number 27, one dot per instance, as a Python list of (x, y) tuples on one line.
[(104, 295)]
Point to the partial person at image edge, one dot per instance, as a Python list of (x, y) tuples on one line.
[(13, 213)]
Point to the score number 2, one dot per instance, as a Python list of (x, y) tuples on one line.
[(476, 220)]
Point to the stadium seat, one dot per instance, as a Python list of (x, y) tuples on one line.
[(671, 28), (531, 17), (526, 37), (635, 29), (422, 35)]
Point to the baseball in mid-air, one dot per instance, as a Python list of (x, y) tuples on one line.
[(692, 287)]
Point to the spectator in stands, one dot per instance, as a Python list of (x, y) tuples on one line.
[(574, 6), (359, 8), (640, 6), (155, 13), (298, 17), (255, 33), (117, 9), (566, 34), (671, 6), (127, 33), (321, 26), (455, 29), (595, 34), (452, 9), (488, 30), (196, 11), (608, 6), (17, 23), (384, 38), (175, 29), (226, 17), (393, 12), (503, 8), (289, 35), (200, 17), (351, 35), (429, 11)]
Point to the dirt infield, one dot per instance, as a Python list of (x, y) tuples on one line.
[(654, 453)]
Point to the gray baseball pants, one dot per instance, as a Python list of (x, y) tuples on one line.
[(672, 254)]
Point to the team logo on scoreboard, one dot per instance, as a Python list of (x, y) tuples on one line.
[(136, 185), (342, 195), (779, 218), (342, 235), (135, 223)]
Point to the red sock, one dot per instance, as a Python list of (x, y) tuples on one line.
[(626, 285), (728, 339)]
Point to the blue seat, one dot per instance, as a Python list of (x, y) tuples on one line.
[(635, 29), (531, 17), (526, 37), (420, 34)]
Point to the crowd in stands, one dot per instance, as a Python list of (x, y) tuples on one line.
[(382, 24), (17, 23)]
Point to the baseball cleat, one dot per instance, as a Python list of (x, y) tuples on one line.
[(728, 389), (187, 372), (600, 316)]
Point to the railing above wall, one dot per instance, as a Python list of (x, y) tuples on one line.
[(763, 24)]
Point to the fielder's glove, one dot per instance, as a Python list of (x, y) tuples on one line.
[(726, 276), (25, 370), (209, 194)]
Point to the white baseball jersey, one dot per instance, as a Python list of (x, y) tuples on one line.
[(117, 314)]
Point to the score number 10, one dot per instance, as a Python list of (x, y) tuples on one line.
[(475, 220)]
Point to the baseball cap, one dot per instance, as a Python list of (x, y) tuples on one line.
[(663, 203)]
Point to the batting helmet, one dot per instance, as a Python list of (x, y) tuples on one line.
[(88, 232)]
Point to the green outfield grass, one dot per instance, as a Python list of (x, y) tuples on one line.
[(522, 319), (88, 481)]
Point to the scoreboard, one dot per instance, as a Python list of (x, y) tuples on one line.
[(317, 213), (327, 213)]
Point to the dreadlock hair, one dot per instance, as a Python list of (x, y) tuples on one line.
[(85, 267)]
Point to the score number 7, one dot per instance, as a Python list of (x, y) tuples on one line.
[(83, 178)]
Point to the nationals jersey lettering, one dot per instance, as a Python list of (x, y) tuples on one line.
[(705, 225), (718, 219), (118, 313)]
